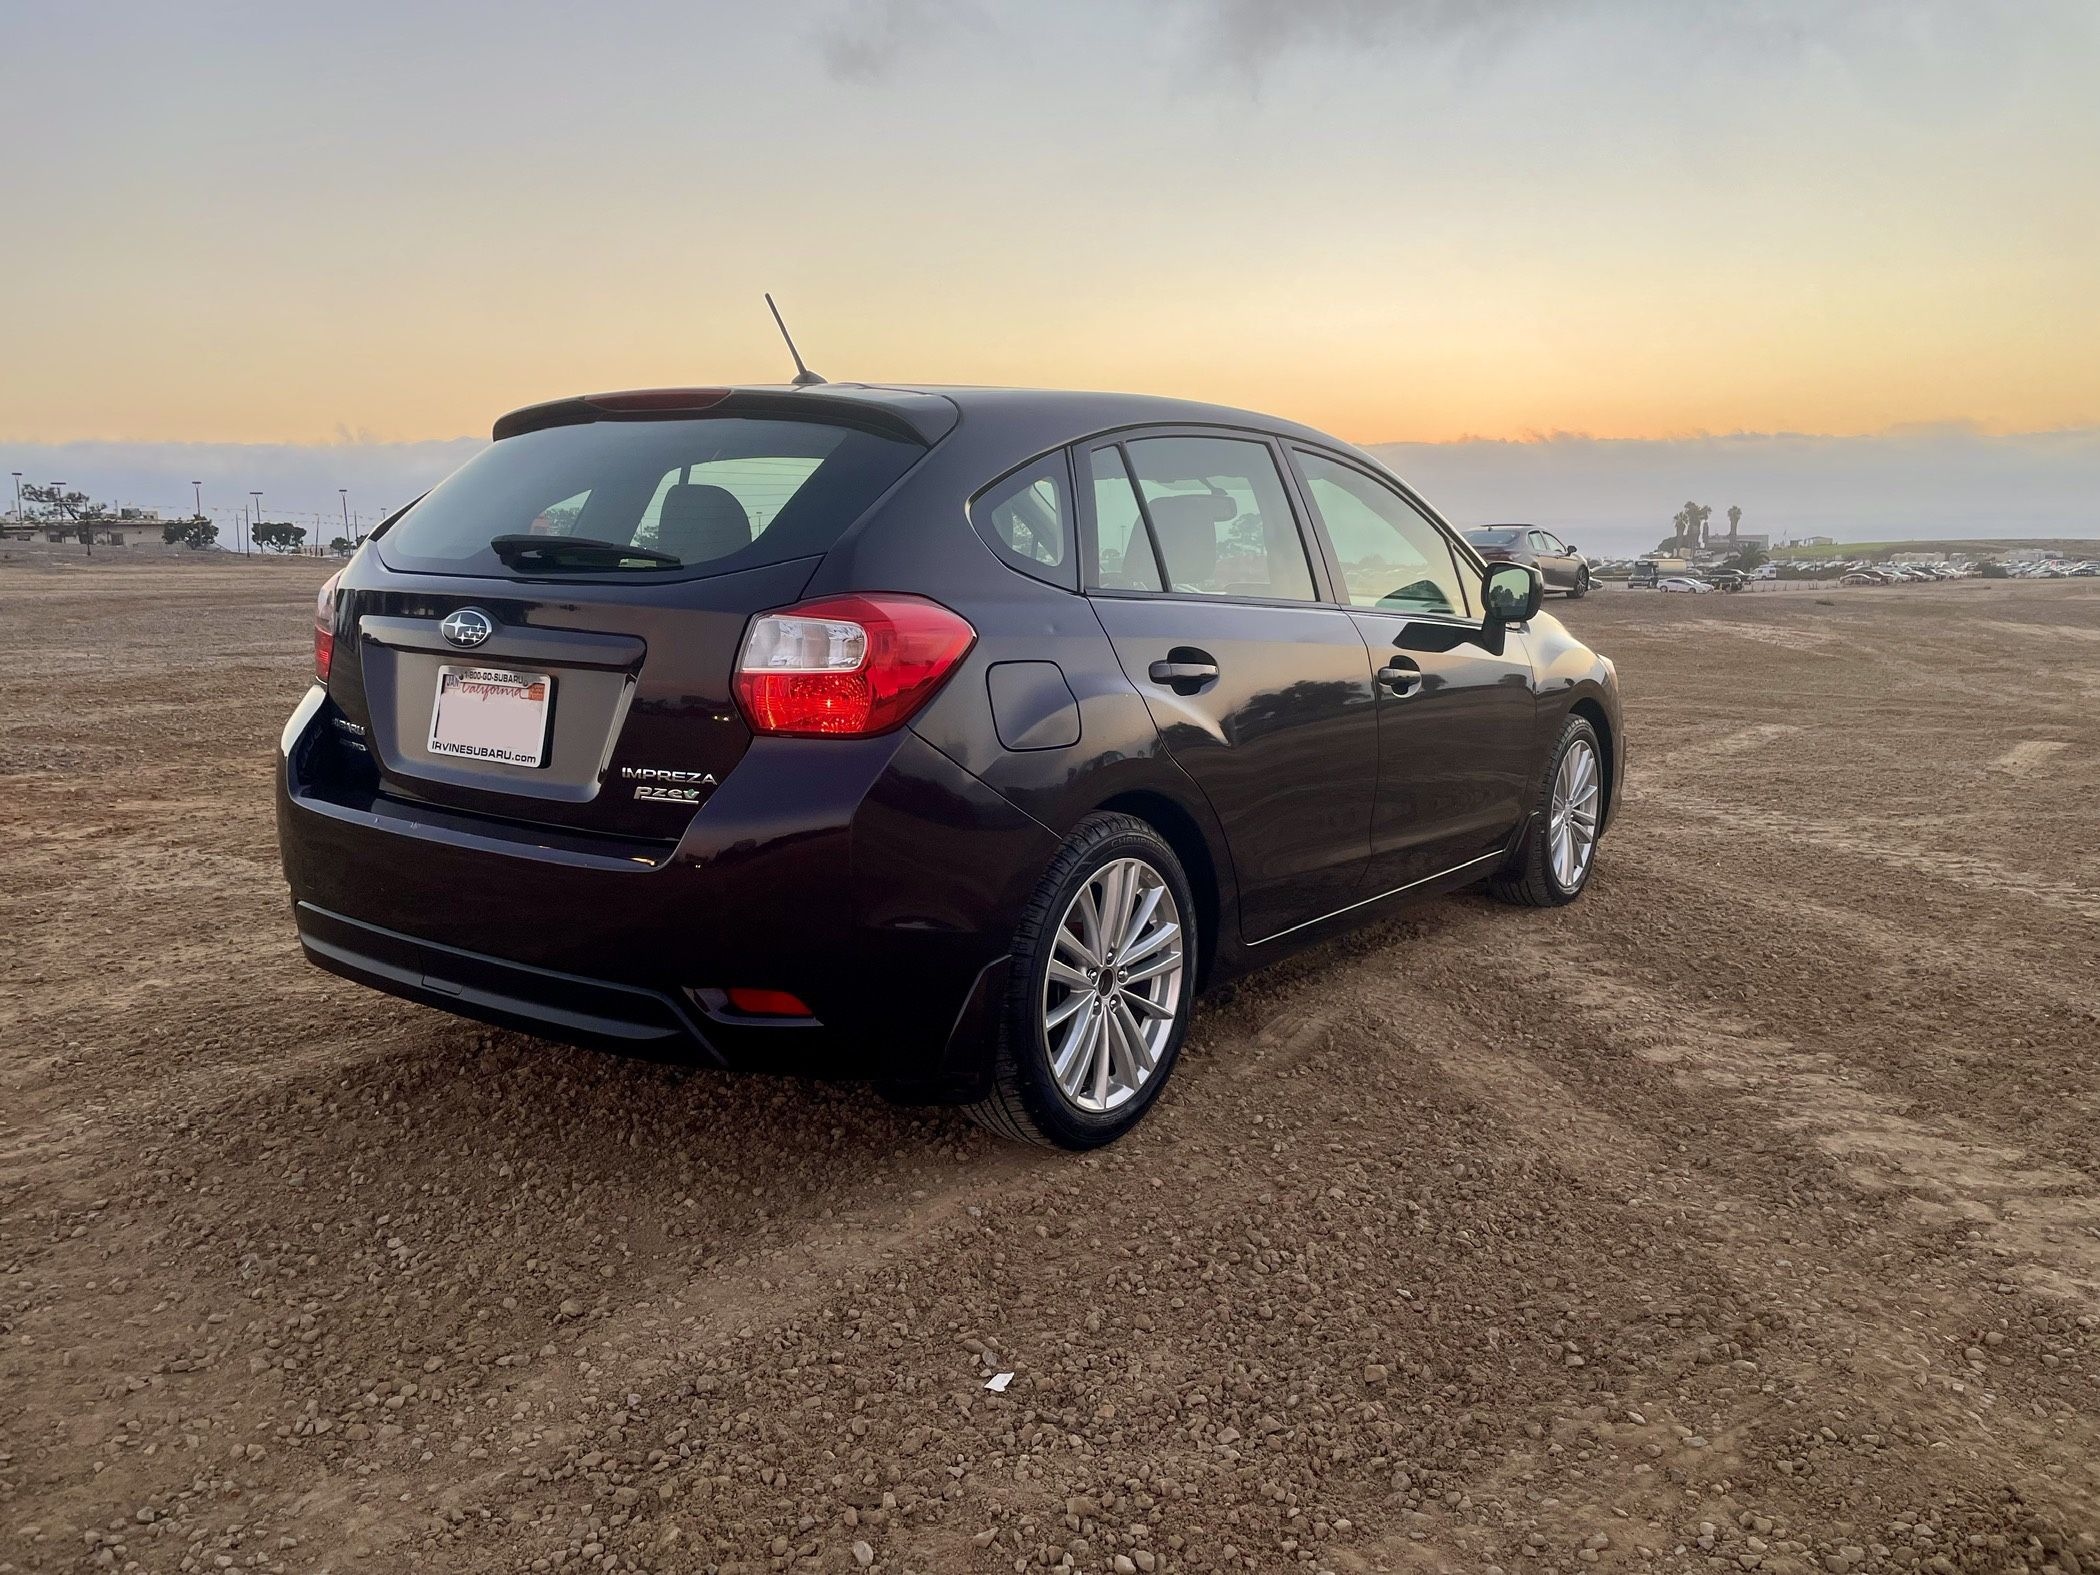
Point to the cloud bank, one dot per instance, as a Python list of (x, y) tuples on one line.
[(1613, 495), (1619, 495)]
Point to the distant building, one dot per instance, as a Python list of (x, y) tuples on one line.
[(104, 532), (1813, 541), (129, 532)]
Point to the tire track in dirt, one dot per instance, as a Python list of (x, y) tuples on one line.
[(2041, 1218), (1723, 1429)]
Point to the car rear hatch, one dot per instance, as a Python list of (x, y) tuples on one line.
[(550, 635)]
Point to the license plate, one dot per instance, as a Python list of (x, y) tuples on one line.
[(490, 713)]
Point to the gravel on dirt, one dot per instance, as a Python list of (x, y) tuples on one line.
[(1744, 1216)]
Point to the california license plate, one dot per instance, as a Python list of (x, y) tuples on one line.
[(490, 713)]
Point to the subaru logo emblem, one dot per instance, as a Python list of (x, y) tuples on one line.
[(468, 626)]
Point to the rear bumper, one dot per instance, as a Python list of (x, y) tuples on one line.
[(875, 879), (538, 1000)]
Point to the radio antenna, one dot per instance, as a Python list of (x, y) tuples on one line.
[(804, 377)]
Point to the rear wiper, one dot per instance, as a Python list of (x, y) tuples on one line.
[(576, 552)]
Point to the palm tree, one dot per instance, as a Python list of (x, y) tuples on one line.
[(1691, 525)]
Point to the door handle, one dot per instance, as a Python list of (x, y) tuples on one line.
[(1178, 673), (1401, 680)]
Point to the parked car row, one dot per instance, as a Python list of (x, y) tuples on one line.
[(1646, 577), (1898, 574), (1648, 573), (1860, 572)]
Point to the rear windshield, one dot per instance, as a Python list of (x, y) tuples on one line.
[(1494, 538), (713, 495)]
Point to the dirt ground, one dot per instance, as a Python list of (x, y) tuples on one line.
[(1745, 1215)]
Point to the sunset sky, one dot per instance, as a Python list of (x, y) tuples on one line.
[(1401, 221)]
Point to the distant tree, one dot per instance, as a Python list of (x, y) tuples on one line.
[(1735, 518), (62, 505), (342, 546), (1748, 559), (278, 535), (72, 512), (1690, 525), (195, 533)]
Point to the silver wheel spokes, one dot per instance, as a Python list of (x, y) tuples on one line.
[(1572, 828), (1114, 985)]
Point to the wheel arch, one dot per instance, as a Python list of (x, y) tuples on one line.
[(1592, 711), (1184, 834)]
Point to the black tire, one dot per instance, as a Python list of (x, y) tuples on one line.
[(1025, 1103), (1581, 587), (1528, 879)]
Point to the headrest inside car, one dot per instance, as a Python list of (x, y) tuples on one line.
[(700, 522), (1188, 533)]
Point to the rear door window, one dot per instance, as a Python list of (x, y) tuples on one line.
[(709, 495), (1221, 517), (1123, 558)]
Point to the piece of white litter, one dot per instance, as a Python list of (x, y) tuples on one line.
[(998, 1381)]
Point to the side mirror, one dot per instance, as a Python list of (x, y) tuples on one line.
[(1512, 592)]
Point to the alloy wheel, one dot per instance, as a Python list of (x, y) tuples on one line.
[(1113, 987), (1572, 826)]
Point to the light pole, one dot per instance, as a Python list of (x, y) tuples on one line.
[(255, 518), (18, 494), (198, 488), (344, 494)]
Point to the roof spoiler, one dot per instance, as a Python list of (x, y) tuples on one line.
[(920, 418)]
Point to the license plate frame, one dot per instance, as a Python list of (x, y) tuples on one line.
[(497, 716)]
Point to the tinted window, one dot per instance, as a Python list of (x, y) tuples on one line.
[(1221, 517), (1495, 538), (1123, 558), (717, 494), (1391, 556), (1541, 542), (1027, 517)]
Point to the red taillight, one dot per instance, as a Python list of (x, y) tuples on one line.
[(767, 1003), (324, 626), (847, 666)]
